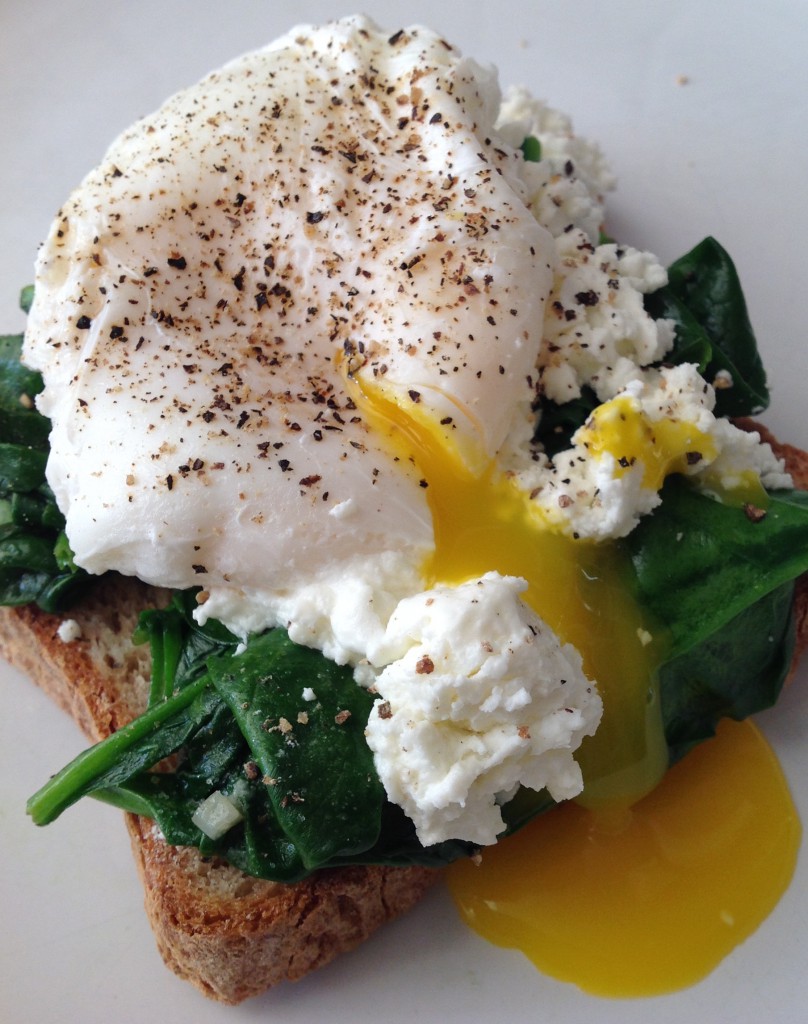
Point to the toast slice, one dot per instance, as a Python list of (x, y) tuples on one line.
[(231, 935)]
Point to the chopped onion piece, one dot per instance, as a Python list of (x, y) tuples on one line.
[(216, 815)]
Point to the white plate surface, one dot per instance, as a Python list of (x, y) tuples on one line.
[(702, 109)]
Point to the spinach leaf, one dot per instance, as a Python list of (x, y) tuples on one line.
[(557, 423), (144, 742), (531, 149), (20, 423), (691, 342), (734, 673), (35, 562), (704, 294), (721, 584), (699, 563), (399, 846), (323, 785), (180, 647)]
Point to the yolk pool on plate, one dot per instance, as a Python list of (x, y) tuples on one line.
[(642, 886), (653, 903)]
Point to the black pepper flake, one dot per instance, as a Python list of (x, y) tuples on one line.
[(240, 199), (261, 300), (207, 416), (116, 332), (178, 262), (198, 569), (414, 395), (589, 298), (693, 458), (753, 513), (396, 37), (314, 216), (285, 465), (238, 280), (170, 482), (309, 481), (435, 118), (83, 323)]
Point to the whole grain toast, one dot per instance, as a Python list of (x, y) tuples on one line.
[(231, 935)]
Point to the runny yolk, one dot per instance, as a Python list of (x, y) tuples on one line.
[(653, 904), (638, 887)]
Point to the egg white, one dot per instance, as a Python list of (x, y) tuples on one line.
[(334, 206)]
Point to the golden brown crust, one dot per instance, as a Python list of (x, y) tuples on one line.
[(796, 461), (231, 935), (234, 936)]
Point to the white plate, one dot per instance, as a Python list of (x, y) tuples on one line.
[(702, 109)]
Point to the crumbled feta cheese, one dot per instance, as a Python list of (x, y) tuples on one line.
[(522, 114), (593, 495), (742, 452), (478, 696), (68, 631), (597, 332)]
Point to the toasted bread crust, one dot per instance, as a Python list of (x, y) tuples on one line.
[(230, 935), (796, 461)]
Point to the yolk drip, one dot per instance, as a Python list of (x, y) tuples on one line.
[(664, 446), (656, 904), (638, 887)]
